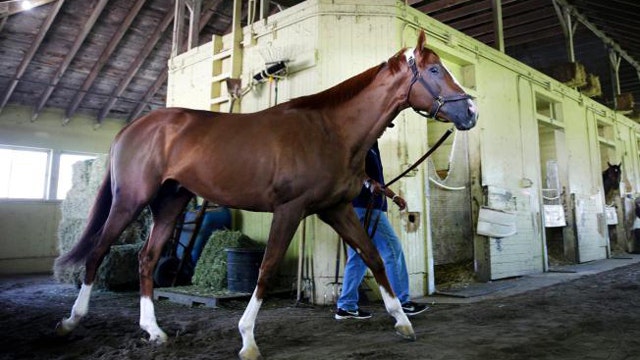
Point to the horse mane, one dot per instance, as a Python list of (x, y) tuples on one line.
[(352, 86), (346, 89), (338, 93)]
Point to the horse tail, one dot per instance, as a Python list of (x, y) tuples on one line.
[(97, 218)]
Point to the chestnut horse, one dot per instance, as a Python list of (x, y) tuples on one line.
[(299, 158)]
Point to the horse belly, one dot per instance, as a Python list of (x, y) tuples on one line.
[(229, 182)]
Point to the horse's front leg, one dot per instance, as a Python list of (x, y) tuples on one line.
[(283, 226), (344, 221)]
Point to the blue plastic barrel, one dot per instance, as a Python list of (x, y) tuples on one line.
[(214, 219)]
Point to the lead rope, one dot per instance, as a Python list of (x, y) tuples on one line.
[(367, 215)]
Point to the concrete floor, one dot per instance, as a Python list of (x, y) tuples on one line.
[(500, 288)]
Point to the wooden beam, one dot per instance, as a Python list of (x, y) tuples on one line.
[(195, 8), (26, 60), (470, 12), (515, 16), (177, 28), (594, 29), (69, 57), (137, 63), (3, 20), (531, 30), (164, 73), (8, 8), (440, 5), (540, 34), (498, 30), (104, 57)]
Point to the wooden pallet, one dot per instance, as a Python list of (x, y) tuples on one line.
[(184, 298)]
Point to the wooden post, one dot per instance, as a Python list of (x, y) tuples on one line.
[(177, 28), (498, 33)]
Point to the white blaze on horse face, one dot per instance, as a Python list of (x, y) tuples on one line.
[(394, 308), (78, 311), (247, 322), (148, 321)]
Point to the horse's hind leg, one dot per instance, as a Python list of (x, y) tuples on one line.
[(165, 208), (283, 226), (345, 222), (121, 214)]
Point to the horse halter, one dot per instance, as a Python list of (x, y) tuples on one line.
[(438, 100)]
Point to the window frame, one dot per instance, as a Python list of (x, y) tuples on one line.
[(52, 171)]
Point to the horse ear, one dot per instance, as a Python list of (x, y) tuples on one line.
[(422, 39), (608, 163)]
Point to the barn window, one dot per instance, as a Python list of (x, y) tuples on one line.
[(607, 142), (23, 173), (549, 111), (38, 174), (65, 172)]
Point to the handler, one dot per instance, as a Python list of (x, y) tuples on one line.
[(385, 240)]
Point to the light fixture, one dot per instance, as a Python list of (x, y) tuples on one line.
[(27, 5)]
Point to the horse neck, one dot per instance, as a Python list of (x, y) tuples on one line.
[(362, 119)]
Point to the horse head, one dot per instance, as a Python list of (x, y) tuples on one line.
[(438, 95), (611, 176)]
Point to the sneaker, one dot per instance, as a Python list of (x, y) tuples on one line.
[(410, 308), (342, 314)]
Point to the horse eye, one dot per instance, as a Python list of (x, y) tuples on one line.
[(434, 70)]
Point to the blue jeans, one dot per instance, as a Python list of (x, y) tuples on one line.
[(390, 249)]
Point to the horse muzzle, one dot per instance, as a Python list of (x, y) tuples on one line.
[(463, 114)]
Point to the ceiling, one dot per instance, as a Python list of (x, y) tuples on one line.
[(108, 58)]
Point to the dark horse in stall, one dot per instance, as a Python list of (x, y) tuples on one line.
[(299, 158), (611, 178)]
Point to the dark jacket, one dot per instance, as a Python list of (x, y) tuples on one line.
[(373, 168)]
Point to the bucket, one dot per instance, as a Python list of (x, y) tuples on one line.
[(243, 266)]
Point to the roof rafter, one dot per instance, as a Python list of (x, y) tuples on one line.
[(440, 5), (606, 39), (104, 57), (26, 60), (164, 74), (8, 8), (135, 66), (70, 55)]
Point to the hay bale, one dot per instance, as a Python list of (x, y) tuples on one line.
[(211, 269), (119, 270), (624, 102), (593, 88), (75, 208), (572, 74)]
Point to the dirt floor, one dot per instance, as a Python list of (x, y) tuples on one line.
[(593, 317)]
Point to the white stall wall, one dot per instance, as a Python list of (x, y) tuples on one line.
[(189, 82)]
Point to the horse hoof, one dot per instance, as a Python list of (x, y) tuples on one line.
[(158, 339), (61, 330), (250, 354), (406, 332)]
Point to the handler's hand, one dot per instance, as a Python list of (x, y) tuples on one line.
[(398, 200)]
